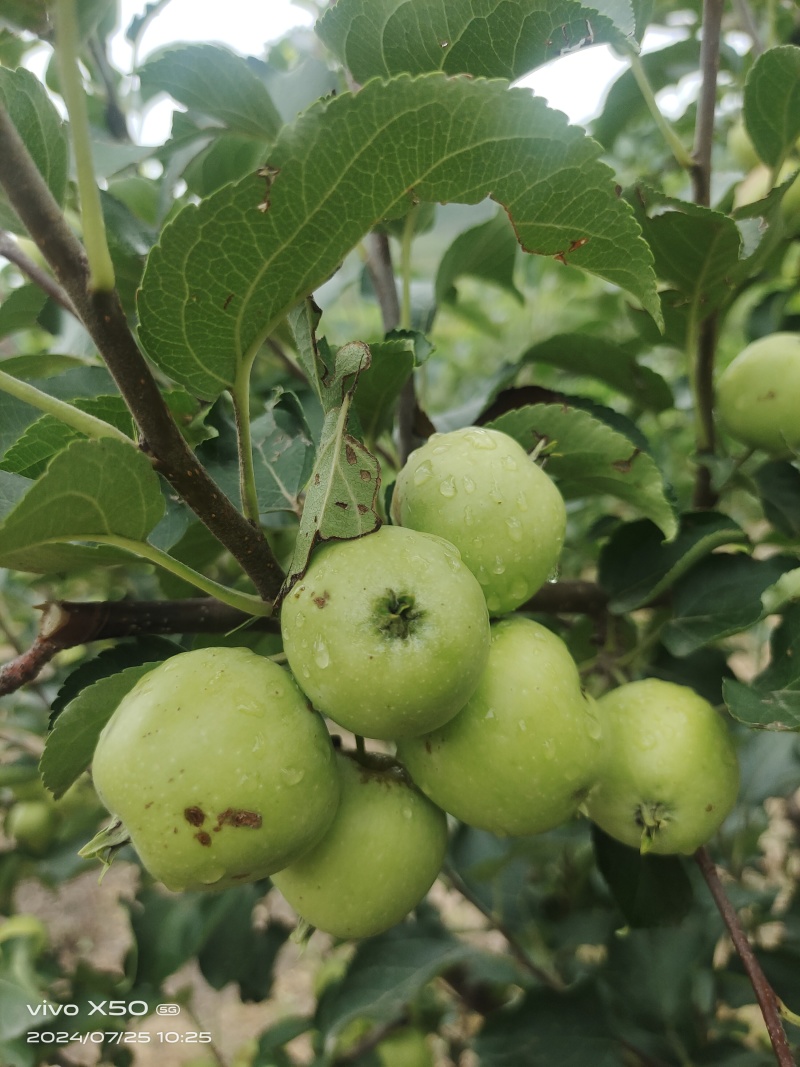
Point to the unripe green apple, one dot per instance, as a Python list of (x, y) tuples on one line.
[(522, 755), (758, 394), (218, 768), (377, 861), (33, 825), (672, 775), (479, 489), (387, 634)]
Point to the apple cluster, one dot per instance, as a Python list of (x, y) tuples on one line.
[(220, 766)]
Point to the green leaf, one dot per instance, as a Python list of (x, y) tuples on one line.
[(772, 702), (649, 890), (226, 272), (20, 309), (47, 436), (391, 364), (636, 565), (91, 490), (588, 458), (546, 1028), (718, 597), (40, 127), (579, 353), (216, 82), (772, 103), (484, 38), (695, 248), (71, 743), (385, 975), (237, 951), (778, 484), (487, 252), (343, 488), (283, 454)]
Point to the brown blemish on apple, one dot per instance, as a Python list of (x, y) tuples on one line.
[(194, 816), (249, 820), (322, 600), (203, 838)]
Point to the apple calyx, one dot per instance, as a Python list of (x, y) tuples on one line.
[(398, 614), (652, 817)]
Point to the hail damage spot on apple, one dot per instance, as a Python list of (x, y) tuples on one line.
[(403, 638), (204, 709)]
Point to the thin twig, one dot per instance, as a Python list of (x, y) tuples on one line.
[(706, 104), (765, 994), (381, 273), (10, 250), (104, 318), (748, 24), (705, 496), (552, 981)]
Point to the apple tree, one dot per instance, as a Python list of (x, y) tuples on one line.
[(399, 529)]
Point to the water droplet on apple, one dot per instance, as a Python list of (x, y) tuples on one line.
[(480, 439), (493, 603), (422, 473), (211, 875), (292, 775), (522, 725), (490, 714), (549, 749), (447, 487), (322, 657), (510, 463), (519, 589), (258, 743), (522, 502), (469, 485), (469, 517), (299, 620), (514, 527), (553, 576), (499, 566), (408, 813)]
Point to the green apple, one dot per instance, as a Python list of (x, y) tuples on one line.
[(672, 775), (217, 767), (758, 394), (479, 489), (522, 755), (379, 858), (387, 634), (33, 824)]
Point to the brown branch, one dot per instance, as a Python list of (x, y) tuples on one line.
[(568, 597), (765, 994), (706, 104), (11, 251), (381, 273), (703, 358), (705, 496), (103, 316), (66, 624)]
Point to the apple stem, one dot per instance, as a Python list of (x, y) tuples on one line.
[(765, 995)]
